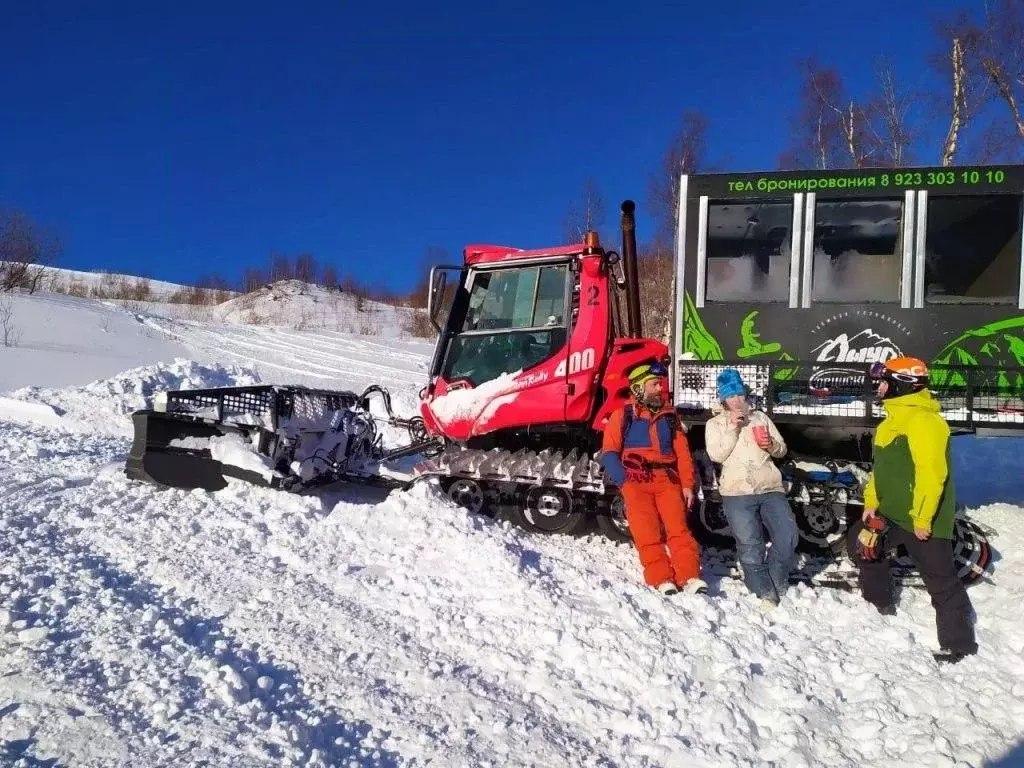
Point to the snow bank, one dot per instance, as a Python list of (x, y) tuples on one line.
[(28, 413), (104, 406), (69, 341), (65, 341), (252, 627)]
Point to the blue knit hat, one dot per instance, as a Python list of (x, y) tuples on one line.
[(730, 383)]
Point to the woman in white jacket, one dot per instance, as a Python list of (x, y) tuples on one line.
[(744, 441)]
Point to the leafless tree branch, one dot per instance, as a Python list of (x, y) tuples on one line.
[(586, 213), (25, 250), (8, 330)]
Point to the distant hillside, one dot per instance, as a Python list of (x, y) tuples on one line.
[(286, 303), (111, 285), (295, 304)]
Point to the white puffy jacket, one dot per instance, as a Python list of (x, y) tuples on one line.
[(746, 467)]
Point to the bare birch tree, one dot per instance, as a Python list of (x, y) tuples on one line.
[(9, 333), (1000, 42), (686, 153), (26, 249), (586, 213), (890, 118), (831, 130), (958, 115)]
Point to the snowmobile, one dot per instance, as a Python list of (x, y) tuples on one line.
[(533, 348)]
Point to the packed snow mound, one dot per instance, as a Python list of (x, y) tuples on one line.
[(104, 406), (299, 305)]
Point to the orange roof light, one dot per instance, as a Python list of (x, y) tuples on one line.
[(591, 241)]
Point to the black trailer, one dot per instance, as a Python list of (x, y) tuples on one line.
[(803, 279)]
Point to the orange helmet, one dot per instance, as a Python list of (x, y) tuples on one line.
[(904, 375)]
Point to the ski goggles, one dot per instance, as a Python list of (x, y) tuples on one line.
[(879, 372), (647, 372), (657, 369)]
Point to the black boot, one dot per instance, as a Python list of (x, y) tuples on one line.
[(951, 657)]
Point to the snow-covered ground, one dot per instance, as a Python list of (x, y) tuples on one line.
[(62, 340), (251, 627)]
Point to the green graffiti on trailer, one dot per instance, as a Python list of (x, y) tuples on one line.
[(753, 347), (696, 338), (999, 345)]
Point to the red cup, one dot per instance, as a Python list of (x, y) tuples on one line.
[(760, 433)]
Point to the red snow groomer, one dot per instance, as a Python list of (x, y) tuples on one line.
[(531, 359)]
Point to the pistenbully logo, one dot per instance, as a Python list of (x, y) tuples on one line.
[(851, 345)]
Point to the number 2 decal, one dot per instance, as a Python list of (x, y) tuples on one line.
[(592, 294)]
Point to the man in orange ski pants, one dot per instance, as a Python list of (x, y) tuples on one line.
[(644, 451)]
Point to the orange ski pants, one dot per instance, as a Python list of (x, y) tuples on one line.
[(656, 513)]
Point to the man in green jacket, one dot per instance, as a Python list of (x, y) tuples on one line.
[(910, 499)]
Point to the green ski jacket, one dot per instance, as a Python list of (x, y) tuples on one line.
[(911, 483)]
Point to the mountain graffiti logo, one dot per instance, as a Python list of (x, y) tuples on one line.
[(861, 336)]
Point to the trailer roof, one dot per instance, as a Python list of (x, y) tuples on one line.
[(860, 182)]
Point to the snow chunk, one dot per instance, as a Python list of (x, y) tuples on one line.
[(191, 443), (462, 404), (235, 451), (33, 636), (29, 413)]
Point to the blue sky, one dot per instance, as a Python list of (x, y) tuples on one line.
[(197, 138)]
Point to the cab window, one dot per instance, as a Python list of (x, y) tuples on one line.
[(516, 320)]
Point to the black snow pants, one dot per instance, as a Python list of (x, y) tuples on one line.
[(934, 561)]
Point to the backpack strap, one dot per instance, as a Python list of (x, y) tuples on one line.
[(628, 415), (673, 421)]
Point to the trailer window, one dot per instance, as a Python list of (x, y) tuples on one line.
[(748, 252), (858, 251), (973, 249)]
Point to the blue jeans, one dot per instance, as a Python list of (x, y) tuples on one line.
[(765, 577)]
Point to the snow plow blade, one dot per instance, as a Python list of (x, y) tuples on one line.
[(273, 436), (155, 459)]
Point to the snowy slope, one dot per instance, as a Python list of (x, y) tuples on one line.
[(62, 280), (255, 628), (63, 340)]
